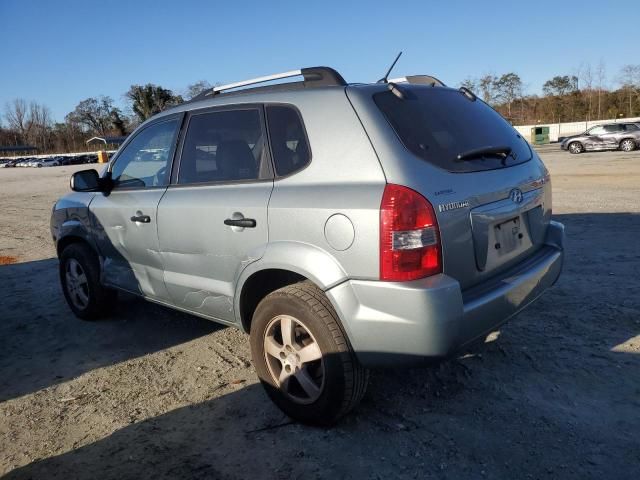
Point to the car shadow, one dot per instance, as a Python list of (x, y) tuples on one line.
[(42, 343)]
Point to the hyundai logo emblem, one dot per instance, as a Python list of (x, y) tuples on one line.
[(516, 195)]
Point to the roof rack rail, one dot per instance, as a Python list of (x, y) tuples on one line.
[(318, 76), (419, 80)]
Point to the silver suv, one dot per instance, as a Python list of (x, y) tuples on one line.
[(612, 136), (344, 226)]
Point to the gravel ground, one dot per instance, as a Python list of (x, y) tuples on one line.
[(151, 393)]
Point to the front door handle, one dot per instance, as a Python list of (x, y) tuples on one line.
[(240, 222), (141, 218)]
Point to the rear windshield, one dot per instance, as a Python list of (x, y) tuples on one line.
[(440, 124)]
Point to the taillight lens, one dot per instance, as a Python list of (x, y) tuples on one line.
[(409, 236)]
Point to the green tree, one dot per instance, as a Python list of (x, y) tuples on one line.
[(147, 100), (98, 116), (561, 89), (560, 85), (508, 88)]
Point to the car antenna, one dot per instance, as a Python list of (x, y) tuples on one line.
[(384, 79)]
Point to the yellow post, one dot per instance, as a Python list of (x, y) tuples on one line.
[(103, 157)]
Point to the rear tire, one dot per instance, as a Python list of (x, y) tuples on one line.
[(575, 148), (627, 145), (80, 279), (311, 373)]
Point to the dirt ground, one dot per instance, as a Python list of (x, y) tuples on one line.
[(151, 393)]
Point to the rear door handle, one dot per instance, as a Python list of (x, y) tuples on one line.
[(141, 219), (241, 222)]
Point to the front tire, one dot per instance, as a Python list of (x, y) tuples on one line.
[(80, 279), (627, 145), (576, 148), (302, 357)]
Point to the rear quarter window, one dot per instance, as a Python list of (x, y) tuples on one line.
[(289, 145), (438, 124)]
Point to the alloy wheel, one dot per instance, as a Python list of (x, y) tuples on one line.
[(575, 147), (627, 145), (77, 284), (294, 359)]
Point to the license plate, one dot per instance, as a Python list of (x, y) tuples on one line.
[(509, 236)]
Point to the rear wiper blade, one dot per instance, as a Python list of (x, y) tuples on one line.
[(503, 151)]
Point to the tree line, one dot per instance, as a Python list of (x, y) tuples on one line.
[(583, 95), (31, 123)]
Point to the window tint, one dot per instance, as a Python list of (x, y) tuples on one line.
[(145, 161), (631, 127), (224, 146), (438, 124), (288, 140), (613, 128), (597, 131)]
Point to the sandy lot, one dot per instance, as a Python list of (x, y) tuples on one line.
[(151, 393)]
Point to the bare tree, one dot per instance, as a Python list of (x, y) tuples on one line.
[(17, 115), (601, 77), (487, 88), (585, 73), (630, 82), (470, 84), (197, 88), (40, 119)]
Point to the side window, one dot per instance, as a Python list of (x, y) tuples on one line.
[(613, 128), (224, 146), (288, 140), (630, 127), (597, 131), (146, 160)]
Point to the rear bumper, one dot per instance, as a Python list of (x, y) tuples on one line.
[(402, 323)]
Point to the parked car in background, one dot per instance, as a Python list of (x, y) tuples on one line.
[(344, 226), (47, 162), (610, 136)]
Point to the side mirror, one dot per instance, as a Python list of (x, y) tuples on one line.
[(85, 181)]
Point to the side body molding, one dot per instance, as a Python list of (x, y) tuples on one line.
[(305, 259)]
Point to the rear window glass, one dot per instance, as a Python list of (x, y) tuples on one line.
[(439, 124)]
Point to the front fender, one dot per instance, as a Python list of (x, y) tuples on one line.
[(302, 258), (71, 218)]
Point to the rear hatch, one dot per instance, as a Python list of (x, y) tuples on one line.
[(489, 189)]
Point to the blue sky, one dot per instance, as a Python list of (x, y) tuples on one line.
[(61, 52)]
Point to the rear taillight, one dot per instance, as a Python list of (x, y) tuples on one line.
[(409, 236)]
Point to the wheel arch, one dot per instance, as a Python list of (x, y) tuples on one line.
[(71, 238), (283, 263)]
